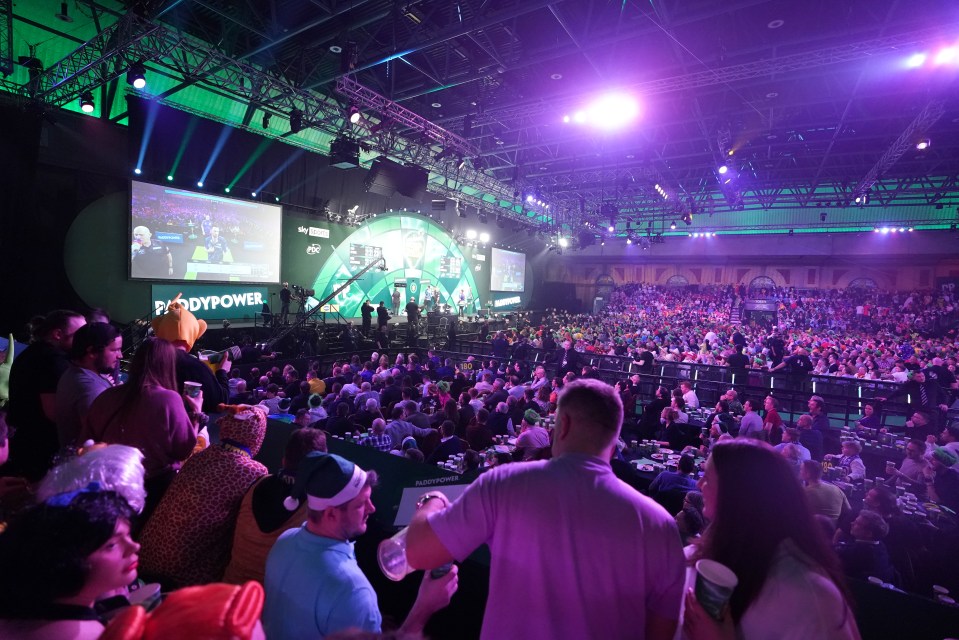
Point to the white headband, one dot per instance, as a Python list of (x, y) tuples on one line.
[(347, 493)]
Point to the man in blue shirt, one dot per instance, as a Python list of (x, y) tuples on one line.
[(681, 480), (314, 586)]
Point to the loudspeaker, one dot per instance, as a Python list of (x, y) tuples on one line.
[(387, 177), (344, 153)]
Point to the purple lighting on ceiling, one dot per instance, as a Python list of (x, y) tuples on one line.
[(611, 111)]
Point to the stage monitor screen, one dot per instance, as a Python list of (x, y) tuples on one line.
[(184, 235), (507, 271)]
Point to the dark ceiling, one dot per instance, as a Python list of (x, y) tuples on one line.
[(809, 102)]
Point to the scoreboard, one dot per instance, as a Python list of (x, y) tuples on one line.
[(363, 255)]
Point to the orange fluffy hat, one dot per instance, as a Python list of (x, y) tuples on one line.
[(209, 612), (178, 324)]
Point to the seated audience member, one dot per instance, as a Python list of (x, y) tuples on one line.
[(240, 395), (314, 586), (680, 480), (532, 436), (849, 460), (302, 398), (649, 420), (762, 529), (499, 422), (793, 456), (736, 408), (690, 520), (449, 444), (792, 436), (866, 556), (943, 487), (825, 499), (263, 515), (210, 611), (187, 541), (94, 355), (339, 421), (149, 413), (949, 439), (315, 406), (58, 558), (809, 437), (870, 417), (578, 489), (914, 469), (363, 419), (478, 434), (751, 425), (722, 419), (379, 439), (271, 399), (676, 435), (399, 428)]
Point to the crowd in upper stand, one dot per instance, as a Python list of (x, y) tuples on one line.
[(107, 481)]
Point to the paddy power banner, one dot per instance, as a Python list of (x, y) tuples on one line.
[(214, 302)]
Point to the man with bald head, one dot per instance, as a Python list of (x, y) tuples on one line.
[(149, 257), (585, 536)]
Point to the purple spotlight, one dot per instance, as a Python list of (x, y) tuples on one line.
[(613, 111), (611, 228), (916, 60), (566, 119), (529, 198), (723, 169), (579, 117), (949, 55)]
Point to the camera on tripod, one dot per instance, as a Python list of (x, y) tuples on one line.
[(301, 293)]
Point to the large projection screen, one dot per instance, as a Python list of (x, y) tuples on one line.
[(185, 235), (507, 271)]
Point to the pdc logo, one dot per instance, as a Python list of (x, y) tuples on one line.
[(313, 249)]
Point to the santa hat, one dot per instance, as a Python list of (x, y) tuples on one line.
[(325, 480)]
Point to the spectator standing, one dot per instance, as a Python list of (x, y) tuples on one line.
[(575, 492)]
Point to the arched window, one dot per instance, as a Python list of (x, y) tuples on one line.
[(761, 286), (677, 281), (604, 285), (863, 283)]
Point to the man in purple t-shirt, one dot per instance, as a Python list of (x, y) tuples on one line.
[(576, 553)]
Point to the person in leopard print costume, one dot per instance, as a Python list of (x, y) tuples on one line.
[(188, 539)]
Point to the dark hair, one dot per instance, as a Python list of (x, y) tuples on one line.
[(759, 505), (448, 428), (415, 455), (953, 430), (302, 441), (44, 551), (93, 335), (4, 427), (45, 325), (471, 459), (686, 464), (723, 406)]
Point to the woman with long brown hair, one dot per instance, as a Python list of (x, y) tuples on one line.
[(761, 527), (149, 413)]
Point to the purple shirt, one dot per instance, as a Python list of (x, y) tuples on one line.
[(576, 553)]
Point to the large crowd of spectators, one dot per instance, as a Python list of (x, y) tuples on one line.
[(111, 487)]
